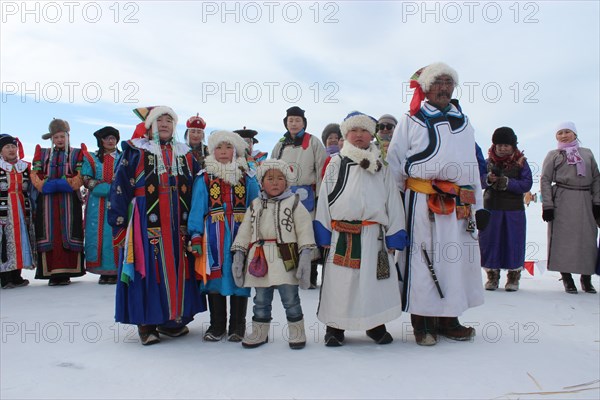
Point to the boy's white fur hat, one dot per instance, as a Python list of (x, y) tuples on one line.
[(284, 167), (357, 119), (234, 139), (428, 74)]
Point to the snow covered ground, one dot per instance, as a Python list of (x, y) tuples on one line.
[(62, 343)]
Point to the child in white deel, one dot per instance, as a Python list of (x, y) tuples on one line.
[(273, 251)]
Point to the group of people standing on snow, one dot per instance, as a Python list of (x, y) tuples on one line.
[(402, 214)]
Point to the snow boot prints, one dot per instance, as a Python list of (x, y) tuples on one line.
[(493, 276), (258, 336), (512, 280)]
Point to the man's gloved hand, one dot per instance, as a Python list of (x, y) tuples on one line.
[(303, 273)]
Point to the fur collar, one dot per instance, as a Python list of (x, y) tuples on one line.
[(368, 159), (179, 149), (231, 173), (19, 166)]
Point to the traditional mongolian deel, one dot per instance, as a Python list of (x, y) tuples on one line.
[(17, 237), (428, 149), (149, 208), (58, 216), (503, 241), (101, 256), (572, 245), (220, 199), (360, 215)]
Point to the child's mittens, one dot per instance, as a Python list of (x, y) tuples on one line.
[(238, 268), (303, 273)]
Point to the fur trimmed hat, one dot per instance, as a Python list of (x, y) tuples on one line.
[(504, 135), (195, 122), (427, 75), (280, 165), (357, 119), (296, 112), (56, 125), (329, 129), (156, 112), (236, 140)]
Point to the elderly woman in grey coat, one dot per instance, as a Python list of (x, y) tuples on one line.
[(570, 185)]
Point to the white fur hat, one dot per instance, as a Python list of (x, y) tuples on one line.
[(280, 165), (236, 140), (157, 112), (357, 119), (566, 125), (429, 73)]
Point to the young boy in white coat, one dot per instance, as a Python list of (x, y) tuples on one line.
[(273, 251)]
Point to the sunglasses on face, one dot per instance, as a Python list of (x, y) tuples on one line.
[(389, 127)]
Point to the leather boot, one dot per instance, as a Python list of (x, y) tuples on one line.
[(148, 334), (258, 336), (512, 281), (217, 304), (425, 329), (568, 283), (586, 284), (493, 276), (380, 335), (237, 318), (334, 337), (296, 334), (451, 328)]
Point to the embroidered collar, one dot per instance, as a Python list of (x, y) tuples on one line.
[(231, 173), (368, 159), (286, 193), (19, 166)]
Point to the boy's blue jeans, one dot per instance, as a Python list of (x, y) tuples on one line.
[(289, 298)]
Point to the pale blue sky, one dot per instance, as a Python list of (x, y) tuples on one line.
[(528, 65)]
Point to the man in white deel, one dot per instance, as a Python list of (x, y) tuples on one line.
[(432, 157)]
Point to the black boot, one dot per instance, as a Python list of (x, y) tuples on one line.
[(334, 337), (425, 329), (586, 284), (18, 280), (380, 335), (237, 318), (568, 283), (217, 304)]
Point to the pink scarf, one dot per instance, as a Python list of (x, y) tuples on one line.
[(573, 156)]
